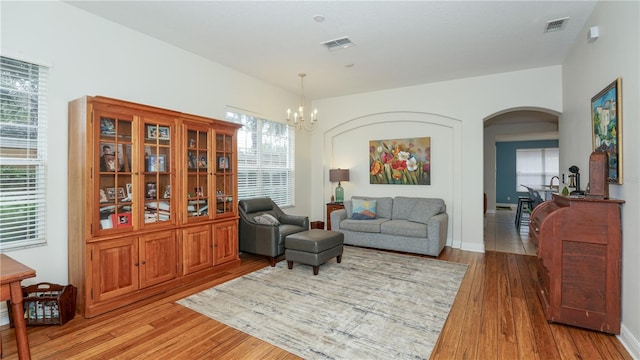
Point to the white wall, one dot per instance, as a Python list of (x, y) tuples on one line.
[(452, 113), (91, 56), (589, 68)]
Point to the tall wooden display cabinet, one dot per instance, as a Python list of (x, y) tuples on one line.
[(152, 201)]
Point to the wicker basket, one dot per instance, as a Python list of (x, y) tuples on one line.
[(47, 304)]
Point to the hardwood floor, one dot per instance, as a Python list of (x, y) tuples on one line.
[(496, 315)]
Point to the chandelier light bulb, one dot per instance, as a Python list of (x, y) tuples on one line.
[(299, 115)]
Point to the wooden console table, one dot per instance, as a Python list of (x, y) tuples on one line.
[(12, 273)]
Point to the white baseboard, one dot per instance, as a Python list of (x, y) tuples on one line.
[(629, 342), (475, 247), (512, 206)]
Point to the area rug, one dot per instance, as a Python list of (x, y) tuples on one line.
[(373, 305)]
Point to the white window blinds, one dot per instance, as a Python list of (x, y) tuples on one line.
[(534, 167), (266, 153), (23, 153)]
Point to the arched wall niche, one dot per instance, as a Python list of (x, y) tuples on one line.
[(346, 146)]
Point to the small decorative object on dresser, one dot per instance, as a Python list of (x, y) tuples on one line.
[(598, 170)]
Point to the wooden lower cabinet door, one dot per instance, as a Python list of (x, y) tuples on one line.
[(158, 258), (197, 249), (114, 268), (225, 242)]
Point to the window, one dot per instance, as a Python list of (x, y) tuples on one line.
[(266, 153), (534, 167), (23, 153)]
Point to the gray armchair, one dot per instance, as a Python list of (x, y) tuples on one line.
[(266, 239)]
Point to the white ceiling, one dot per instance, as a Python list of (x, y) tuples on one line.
[(398, 43)]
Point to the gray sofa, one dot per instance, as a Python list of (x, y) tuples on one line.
[(408, 224)]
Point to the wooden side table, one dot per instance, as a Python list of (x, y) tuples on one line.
[(12, 273), (330, 208)]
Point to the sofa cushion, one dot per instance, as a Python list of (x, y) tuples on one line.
[(403, 206), (363, 209), (368, 226), (404, 228), (383, 206), (423, 211), (266, 219)]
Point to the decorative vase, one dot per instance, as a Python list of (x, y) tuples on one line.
[(339, 194)]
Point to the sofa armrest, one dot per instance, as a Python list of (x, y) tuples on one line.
[(437, 228), (297, 220), (336, 217)]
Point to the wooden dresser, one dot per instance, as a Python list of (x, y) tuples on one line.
[(331, 207), (579, 245)]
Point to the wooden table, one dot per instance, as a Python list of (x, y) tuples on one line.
[(12, 273)]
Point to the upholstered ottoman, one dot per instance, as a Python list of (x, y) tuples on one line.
[(313, 247)]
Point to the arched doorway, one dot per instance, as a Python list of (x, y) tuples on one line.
[(512, 125)]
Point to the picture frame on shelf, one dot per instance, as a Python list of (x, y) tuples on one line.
[(103, 196), (115, 193), (107, 126), (164, 133), (167, 192), (192, 143), (121, 220), (111, 193), (606, 125), (108, 158), (158, 132), (202, 162), (151, 190), (156, 163), (191, 160), (223, 162)]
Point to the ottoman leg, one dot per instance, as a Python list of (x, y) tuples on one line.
[(315, 270), (339, 259), (290, 264)]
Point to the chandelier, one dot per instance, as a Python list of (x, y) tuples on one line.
[(298, 120)]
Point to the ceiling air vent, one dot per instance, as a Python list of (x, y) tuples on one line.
[(336, 44), (556, 25)]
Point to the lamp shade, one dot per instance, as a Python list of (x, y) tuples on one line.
[(338, 175)]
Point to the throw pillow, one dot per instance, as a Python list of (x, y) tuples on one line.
[(423, 211), (363, 209), (266, 219)]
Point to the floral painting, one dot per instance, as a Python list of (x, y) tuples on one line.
[(400, 161)]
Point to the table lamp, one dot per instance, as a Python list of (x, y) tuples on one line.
[(339, 175)]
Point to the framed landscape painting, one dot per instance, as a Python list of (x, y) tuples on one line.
[(606, 121), (400, 161)]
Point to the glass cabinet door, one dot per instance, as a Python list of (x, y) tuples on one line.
[(157, 172), (113, 169), (197, 180), (225, 184)]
